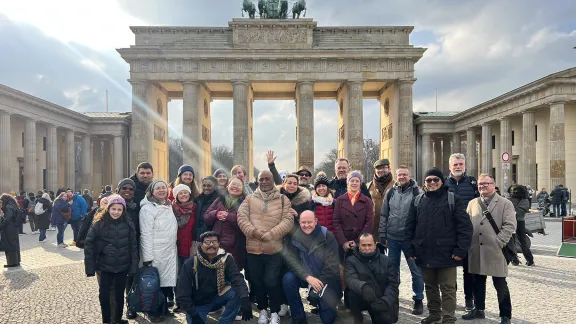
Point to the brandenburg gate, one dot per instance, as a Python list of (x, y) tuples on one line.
[(270, 59)]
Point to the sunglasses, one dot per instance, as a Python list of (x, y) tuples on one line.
[(305, 175), (430, 180), (127, 188)]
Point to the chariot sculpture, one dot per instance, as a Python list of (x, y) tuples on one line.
[(274, 9)]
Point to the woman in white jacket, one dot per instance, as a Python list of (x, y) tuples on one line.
[(158, 228)]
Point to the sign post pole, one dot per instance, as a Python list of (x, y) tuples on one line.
[(505, 168)]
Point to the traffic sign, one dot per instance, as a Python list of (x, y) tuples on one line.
[(505, 157), (505, 166)]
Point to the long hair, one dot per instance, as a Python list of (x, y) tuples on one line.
[(193, 187), (6, 199), (103, 215)]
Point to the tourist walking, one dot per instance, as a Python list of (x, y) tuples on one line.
[(494, 221), (158, 235), (142, 179), (437, 236), (186, 176), (111, 249), (323, 202), (61, 213), (522, 207), (9, 236), (31, 203), (383, 180), (44, 206)]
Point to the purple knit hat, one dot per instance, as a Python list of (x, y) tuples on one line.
[(354, 174)]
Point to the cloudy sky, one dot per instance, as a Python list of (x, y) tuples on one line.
[(63, 51)]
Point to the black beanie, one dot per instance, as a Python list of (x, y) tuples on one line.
[(434, 172)]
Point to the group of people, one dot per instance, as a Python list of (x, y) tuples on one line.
[(558, 198), (334, 237)]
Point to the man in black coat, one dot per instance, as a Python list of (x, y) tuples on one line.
[(142, 179), (372, 282), (438, 236), (209, 281), (312, 257), (339, 184)]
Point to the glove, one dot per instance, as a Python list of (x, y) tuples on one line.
[(246, 309), (368, 293), (196, 319), (147, 264)]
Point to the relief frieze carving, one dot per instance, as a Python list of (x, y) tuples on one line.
[(159, 134), (280, 36)]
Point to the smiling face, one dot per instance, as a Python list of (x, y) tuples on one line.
[(486, 186), (290, 184), (222, 179), (353, 185), (457, 167), (187, 178), (126, 192), (308, 222), (342, 169), (382, 170), (235, 187), (183, 196), (240, 173), (322, 190), (432, 183), (115, 210), (207, 187), (304, 178), (160, 191), (403, 177)]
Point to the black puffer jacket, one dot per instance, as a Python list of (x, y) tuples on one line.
[(203, 202), (111, 246), (434, 232), (340, 187), (466, 187), (85, 227), (357, 273), (139, 191)]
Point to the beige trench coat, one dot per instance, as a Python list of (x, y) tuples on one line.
[(485, 256)]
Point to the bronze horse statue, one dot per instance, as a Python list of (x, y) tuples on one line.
[(283, 10), (299, 7), (249, 7), (262, 9)]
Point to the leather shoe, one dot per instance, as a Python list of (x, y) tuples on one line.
[(418, 307), (431, 320), (505, 320), (131, 315), (474, 314)]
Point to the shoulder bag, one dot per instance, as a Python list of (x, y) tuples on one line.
[(507, 250)]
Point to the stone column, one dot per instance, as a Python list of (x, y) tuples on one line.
[(528, 158), (107, 162), (506, 146), (5, 153), (191, 118), (30, 156), (456, 143), (446, 149), (97, 166), (405, 125), (355, 126), (426, 154), (438, 153), (118, 160), (471, 158), (142, 134), (52, 158), (557, 145), (241, 120), (70, 160), (86, 162), (305, 124), (487, 148)]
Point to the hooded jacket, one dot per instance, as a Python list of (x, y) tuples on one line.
[(394, 213), (557, 196), (521, 206)]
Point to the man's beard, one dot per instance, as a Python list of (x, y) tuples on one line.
[(457, 173)]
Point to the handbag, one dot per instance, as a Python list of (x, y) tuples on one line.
[(67, 214), (507, 251)]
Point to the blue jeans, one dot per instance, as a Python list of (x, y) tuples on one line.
[(326, 308), (394, 249), (556, 210), (563, 209), (75, 223), (42, 236), (60, 234), (231, 303)]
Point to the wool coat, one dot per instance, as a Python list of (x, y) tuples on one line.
[(350, 221), (9, 238), (158, 233), (485, 256), (378, 198)]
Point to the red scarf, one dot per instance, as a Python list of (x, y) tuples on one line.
[(183, 212)]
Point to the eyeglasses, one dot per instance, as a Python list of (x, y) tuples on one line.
[(127, 188), (211, 242), (430, 180), (305, 175), (484, 184)]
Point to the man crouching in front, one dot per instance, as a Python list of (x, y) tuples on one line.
[(373, 282), (209, 281)]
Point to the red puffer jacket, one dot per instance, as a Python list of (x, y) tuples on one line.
[(325, 216)]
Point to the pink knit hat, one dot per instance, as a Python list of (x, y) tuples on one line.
[(116, 199)]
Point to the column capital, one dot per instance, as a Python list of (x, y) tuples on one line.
[(558, 102), (526, 111), (299, 82), (239, 82), (407, 81), (356, 81)]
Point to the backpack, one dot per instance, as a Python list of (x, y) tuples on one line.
[(145, 294), (450, 200), (39, 209)]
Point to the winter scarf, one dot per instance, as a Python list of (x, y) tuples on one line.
[(219, 265), (267, 196), (324, 201), (183, 211), (230, 202), (382, 182)]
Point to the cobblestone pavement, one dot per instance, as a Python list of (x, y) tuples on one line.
[(51, 287)]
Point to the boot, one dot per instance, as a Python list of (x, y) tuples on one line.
[(469, 305), (505, 320), (473, 314), (418, 307), (131, 314), (431, 319)]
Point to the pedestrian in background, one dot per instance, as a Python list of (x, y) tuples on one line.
[(9, 237)]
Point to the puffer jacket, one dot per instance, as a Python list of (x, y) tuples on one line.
[(203, 202), (78, 207), (557, 196), (324, 211), (434, 233), (466, 187), (522, 206), (111, 247), (273, 217), (59, 206), (231, 237), (394, 213)]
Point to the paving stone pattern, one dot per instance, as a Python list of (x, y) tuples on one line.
[(51, 288)]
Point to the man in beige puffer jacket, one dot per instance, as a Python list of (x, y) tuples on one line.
[(265, 218)]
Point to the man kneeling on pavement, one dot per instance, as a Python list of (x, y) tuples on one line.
[(372, 281), (311, 255), (209, 281)]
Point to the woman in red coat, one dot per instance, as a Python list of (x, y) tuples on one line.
[(222, 217), (185, 211), (323, 202)]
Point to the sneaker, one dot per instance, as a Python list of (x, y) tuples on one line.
[(418, 307), (263, 318), (62, 245), (43, 241), (274, 318), (238, 318), (73, 243), (284, 310)]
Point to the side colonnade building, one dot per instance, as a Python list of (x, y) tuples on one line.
[(535, 124)]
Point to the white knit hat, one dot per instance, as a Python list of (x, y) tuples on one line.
[(179, 188)]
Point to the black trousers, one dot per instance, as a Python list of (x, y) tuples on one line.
[(521, 234), (107, 279), (501, 286), (468, 280), (265, 274), (12, 258), (357, 304)]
